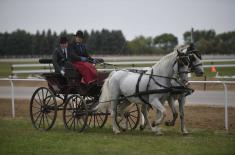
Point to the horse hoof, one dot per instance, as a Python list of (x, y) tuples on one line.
[(185, 133), (169, 123), (141, 127), (159, 133), (116, 131), (153, 124)]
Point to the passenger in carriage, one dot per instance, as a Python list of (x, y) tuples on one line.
[(60, 56), (82, 61)]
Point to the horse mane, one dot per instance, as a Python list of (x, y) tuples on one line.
[(182, 48), (169, 58)]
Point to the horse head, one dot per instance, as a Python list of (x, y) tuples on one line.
[(195, 60), (190, 55), (183, 63)]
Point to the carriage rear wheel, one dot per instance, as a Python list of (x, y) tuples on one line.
[(75, 113), (127, 116), (96, 119), (43, 109)]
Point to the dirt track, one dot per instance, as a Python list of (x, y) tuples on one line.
[(195, 116)]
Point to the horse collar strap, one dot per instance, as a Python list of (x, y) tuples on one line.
[(137, 91), (147, 92)]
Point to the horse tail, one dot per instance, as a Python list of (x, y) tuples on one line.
[(104, 99)]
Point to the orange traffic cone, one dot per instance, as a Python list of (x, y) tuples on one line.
[(213, 69)]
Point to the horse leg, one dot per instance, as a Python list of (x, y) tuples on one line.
[(171, 103), (181, 111), (144, 117), (161, 114), (113, 114)]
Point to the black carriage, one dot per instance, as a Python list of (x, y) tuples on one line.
[(76, 101)]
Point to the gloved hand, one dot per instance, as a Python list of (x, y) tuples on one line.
[(83, 58), (94, 61), (62, 72)]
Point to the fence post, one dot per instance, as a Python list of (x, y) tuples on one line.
[(225, 106), (204, 83), (12, 98)]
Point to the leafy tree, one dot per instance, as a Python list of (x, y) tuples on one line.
[(140, 45), (199, 34), (165, 42), (209, 43)]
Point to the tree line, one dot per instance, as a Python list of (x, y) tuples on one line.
[(114, 42)]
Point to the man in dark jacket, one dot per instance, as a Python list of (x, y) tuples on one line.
[(60, 56)]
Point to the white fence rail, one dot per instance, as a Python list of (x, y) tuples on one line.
[(224, 83), (45, 68)]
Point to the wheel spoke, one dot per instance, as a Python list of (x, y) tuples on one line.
[(120, 120), (47, 120), (94, 120), (40, 99), (49, 117), (46, 92), (90, 120), (37, 117), (40, 121), (37, 102), (101, 118), (133, 116), (36, 107), (129, 122), (133, 111), (72, 123), (132, 119), (43, 95), (77, 120), (97, 121), (80, 123), (48, 101), (43, 122), (69, 120), (36, 112)]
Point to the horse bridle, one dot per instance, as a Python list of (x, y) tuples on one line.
[(188, 58)]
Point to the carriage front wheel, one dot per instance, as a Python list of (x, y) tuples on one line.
[(75, 113), (127, 116), (43, 109)]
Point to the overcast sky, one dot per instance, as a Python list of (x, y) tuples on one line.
[(133, 17)]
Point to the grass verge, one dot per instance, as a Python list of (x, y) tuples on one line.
[(17, 136)]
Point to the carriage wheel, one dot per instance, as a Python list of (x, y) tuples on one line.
[(43, 109), (127, 116), (75, 113), (96, 119)]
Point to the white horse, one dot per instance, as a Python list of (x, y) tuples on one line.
[(195, 66), (125, 83)]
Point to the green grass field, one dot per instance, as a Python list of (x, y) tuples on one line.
[(17, 136)]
